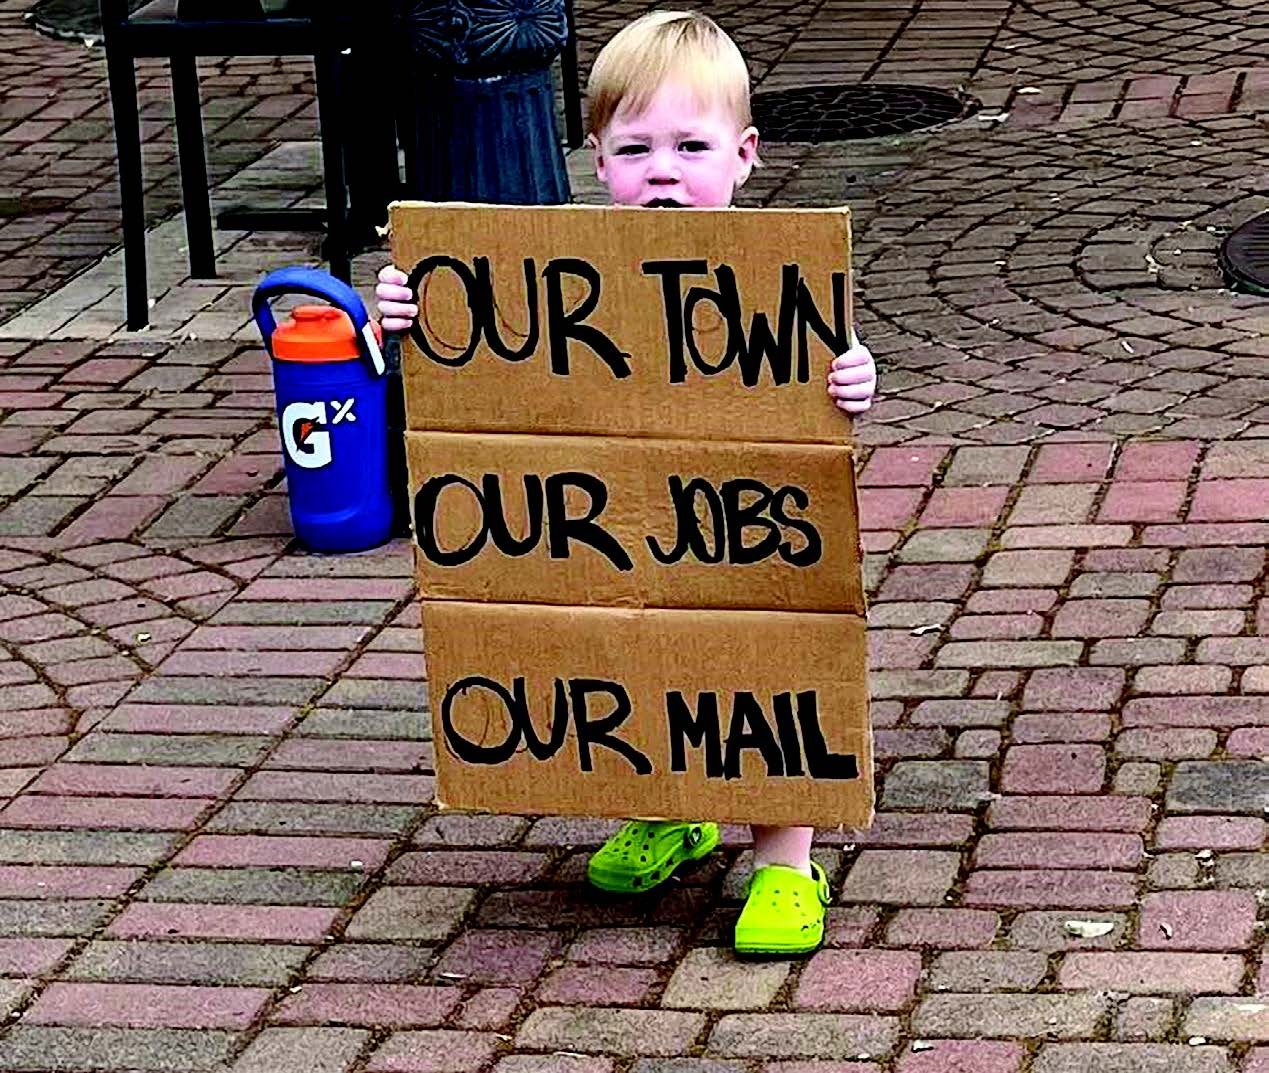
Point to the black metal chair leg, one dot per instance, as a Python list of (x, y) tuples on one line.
[(408, 119), (370, 157), (193, 160), (574, 133), (330, 119), (123, 100)]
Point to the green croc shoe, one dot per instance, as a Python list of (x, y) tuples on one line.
[(646, 852), (784, 912)]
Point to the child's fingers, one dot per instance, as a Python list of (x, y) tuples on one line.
[(393, 275), (396, 324), (850, 391), (856, 356), (853, 406), (857, 375), (389, 292), (398, 310)]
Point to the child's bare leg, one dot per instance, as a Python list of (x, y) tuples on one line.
[(789, 846)]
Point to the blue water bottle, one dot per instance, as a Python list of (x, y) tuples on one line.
[(328, 376)]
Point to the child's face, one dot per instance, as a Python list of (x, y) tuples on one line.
[(675, 152)]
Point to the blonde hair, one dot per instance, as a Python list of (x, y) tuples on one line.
[(665, 46)]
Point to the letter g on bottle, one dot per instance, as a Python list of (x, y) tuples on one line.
[(304, 434)]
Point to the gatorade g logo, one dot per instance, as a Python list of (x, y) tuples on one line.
[(305, 434)]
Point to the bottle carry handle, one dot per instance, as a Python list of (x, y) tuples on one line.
[(317, 284)]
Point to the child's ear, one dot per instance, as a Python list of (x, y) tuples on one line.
[(597, 152), (748, 152)]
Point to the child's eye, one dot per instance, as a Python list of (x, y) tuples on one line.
[(633, 149), (694, 146)]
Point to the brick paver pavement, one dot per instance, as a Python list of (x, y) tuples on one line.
[(217, 851)]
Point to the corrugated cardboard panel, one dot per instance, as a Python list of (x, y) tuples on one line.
[(635, 523), (745, 716), (575, 373), (686, 323)]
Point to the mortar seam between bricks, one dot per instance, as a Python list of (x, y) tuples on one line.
[(972, 348), (123, 901), (955, 893), (1104, 485), (1121, 97), (914, 7), (41, 676), (90, 628), (373, 879), (89, 501), (1180, 1002), (93, 629), (663, 972), (10, 498), (1178, 93), (1005, 19), (792, 41), (262, 422)]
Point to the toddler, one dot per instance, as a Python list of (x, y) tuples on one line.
[(670, 127)]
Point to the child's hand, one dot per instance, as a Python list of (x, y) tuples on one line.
[(852, 379), (397, 311)]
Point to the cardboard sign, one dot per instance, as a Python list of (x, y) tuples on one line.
[(635, 512), (709, 325), (725, 715), (634, 523)]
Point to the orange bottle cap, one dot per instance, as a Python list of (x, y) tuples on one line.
[(316, 333)]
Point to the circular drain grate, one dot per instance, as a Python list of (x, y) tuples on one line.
[(845, 113), (79, 20), (1244, 256), (71, 20)]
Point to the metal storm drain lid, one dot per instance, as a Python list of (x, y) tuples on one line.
[(1244, 256), (71, 20), (849, 112), (66, 19)]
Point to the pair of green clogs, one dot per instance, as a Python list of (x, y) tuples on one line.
[(784, 909)]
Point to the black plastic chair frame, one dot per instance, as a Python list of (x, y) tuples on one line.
[(182, 41), (569, 76), (158, 30)]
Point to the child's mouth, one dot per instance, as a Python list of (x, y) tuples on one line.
[(662, 203)]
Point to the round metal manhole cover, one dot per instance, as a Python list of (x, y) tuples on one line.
[(70, 20), (1244, 256), (80, 20), (849, 112)]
